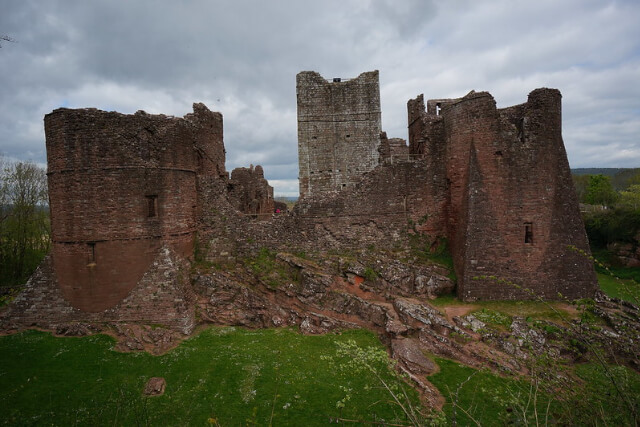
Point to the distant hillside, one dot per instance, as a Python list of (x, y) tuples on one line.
[(620, 177), (285, 199), (598, 171)]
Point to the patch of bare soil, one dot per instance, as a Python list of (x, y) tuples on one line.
[(458, 310), (571, 310)]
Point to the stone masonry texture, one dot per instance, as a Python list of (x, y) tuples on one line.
[(250, 192), (338, 130), (507, 203), (121, 187)]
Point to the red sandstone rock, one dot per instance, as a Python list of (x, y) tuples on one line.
[(409, 352), (155, 386)]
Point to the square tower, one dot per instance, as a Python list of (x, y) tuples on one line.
[(339, 125)]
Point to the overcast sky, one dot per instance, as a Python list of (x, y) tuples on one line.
[(241, 57)]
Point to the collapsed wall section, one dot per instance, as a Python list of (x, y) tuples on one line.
[(380, 209), (427, 145), (250, 193), (339, 125), (523, 222)]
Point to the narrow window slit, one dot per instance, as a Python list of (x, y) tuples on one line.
[(528, 232), (92, 254), (152, 206)]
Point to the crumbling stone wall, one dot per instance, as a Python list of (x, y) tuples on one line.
[(495, 183), (120, 188), (510, 209), (162, 296), (250, 192), (339, 125), (392, 148)]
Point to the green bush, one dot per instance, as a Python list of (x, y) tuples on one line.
[(616, 225), (269, 270)]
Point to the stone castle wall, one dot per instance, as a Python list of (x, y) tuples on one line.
[(339, 125), (162, 296), (121, 187), (250, 192), (510, 209)]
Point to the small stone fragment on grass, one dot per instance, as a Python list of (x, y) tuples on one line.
[(155, 386)]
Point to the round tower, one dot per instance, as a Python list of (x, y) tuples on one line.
[(120, 187)]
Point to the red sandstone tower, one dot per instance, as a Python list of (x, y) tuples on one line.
[(120, 188), (510, 211)]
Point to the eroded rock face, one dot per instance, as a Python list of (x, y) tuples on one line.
[(410, 353), (79, 329), (156, 340), (341, 292), (344, 293)]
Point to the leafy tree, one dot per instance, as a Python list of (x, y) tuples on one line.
[(600, 191), (624, 178), (630, 199), (581, 182), (24, 220), (619, 225)]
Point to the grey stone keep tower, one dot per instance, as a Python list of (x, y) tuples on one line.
[(339, 125)]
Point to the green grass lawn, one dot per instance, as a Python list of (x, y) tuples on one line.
[(479, 394), (626, 289), (615, 280), (229, 376), (492, 400)]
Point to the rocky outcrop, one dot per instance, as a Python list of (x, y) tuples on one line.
[(334, 292), (163, 296)]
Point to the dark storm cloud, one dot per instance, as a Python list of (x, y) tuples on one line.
[(241, 58)]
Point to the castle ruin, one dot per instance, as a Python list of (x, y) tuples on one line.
[(121, 187), (133, 196), (503, 195), (495, 183)]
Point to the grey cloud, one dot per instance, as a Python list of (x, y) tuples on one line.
[(241, 58)]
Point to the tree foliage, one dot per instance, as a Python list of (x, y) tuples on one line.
[(24, 220), (581, 182), (619, 225), (600, 191), (630, 199), (625, 178)]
